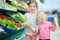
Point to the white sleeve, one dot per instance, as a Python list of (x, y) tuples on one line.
[(26, 15)]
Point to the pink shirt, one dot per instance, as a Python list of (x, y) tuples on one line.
[(44, 30)]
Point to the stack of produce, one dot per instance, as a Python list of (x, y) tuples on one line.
[(8, 23), (19, 17)]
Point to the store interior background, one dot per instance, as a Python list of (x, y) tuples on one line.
[(46, 5)]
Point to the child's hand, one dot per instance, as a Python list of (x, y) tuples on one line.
[(34, 33), (29, 26)]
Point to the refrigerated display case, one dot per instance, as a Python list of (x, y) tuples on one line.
[(14, 35), (7, 11)]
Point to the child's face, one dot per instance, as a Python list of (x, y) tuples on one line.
[(41, 17), (32, 7)]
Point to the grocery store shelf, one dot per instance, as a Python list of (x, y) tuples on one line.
[(5, 10), (16, 34), (12, 36), (8, 13), (15, 11), (22, 11)]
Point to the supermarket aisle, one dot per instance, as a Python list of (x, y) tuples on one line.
[(55, 35)]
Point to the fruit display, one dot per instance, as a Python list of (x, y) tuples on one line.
[(11, 26), (16, 4), (16, 23), (22, 5), (13, 4), (18, 26), (8, 15), (4, 22), (8, 23), (20, 17), (2, 16)]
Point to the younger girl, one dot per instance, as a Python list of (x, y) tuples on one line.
[(44, 27)]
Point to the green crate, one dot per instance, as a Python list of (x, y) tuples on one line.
[(23, 38), (12, 36), (19, 32)]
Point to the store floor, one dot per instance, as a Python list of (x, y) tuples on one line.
[(55, 35)]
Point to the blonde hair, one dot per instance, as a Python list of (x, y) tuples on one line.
[(42, 13)]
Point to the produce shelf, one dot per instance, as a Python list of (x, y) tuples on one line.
[(11, 11), (13, 35), (5, 10), (16, 34), (23, 11)]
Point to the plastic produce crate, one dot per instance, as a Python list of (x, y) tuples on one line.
[(11, 35), (16, 34), (20, 37), (8, 30), (7, 34)]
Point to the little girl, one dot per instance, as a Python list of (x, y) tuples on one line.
[(31, 21), (44, 27)]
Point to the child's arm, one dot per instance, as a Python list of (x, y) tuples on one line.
[(56, 22), (29, 26), (52, 26), (37, 32)]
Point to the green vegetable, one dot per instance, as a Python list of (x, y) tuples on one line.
[(11, 26), (21, 17), (4, 22), (13, 4), (0, 21)]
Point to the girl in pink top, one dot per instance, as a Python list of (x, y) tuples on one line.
[(44, 27)]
